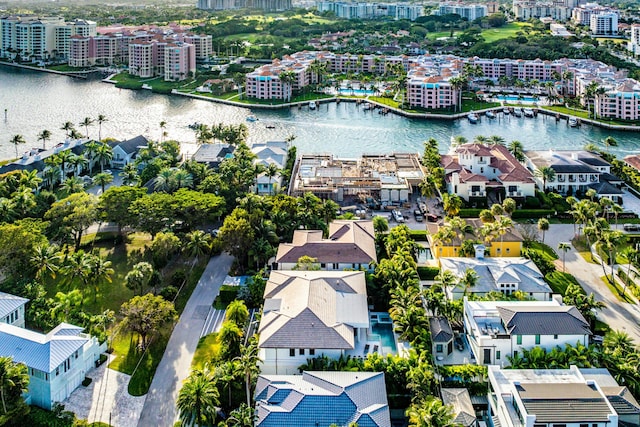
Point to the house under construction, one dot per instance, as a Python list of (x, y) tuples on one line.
[(389, 178)]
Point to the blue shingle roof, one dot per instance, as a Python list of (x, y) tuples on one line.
[(38, 351)]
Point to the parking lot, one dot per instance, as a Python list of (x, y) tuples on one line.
[(431, 211)]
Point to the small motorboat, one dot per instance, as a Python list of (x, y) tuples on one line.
[(528, 112), (367, 106), (473, 117), (312, 105), (517, 112), (270, 127), (490, 114), (252, 118), (506, 111), (573, 122)]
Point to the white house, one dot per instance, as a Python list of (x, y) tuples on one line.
[(497, 329), (311, 313), (12, 309), (322, 399), (575, 172), (270, 153), (57, 362), (505, 275), (473, 169), (548, 397), (350, 246), (125, 152)]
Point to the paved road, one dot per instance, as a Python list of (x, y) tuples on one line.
[(618, 315), (159, 407)]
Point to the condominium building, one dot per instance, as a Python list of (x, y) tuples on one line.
[(525, 10), (605, 23), (266, 5), (583, 13), (362, 10), (161, 57), (634, 41), (179, 61), (34, 37), (468, 11), (202, 43)]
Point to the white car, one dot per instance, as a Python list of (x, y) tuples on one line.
[(397, 215)]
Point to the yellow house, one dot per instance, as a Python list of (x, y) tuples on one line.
[(507, 245)]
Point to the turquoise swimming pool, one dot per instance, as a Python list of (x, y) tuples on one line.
[(515, 98), (361, 92), (382, 327)]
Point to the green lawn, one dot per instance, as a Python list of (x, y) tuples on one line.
[(559, 281), (584, 114), (506, 31), (616, 290), (208, 348), (547, 251)]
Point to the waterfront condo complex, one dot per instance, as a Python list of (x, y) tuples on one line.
[(430, 78)]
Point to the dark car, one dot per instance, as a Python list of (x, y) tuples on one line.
[(432, 218), (417, 214), (631, 227), (459, 342)]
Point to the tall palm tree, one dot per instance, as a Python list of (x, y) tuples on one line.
[(68, 128), (287, 78), (72, 185), (86, 123), (543, 225), (469, 279), (64, 157), (77, 267), (17, 140), (503, 224), (457, 83), (45, 135), (104, 153), (46, 261), (198, 244), (51, 176), (271, 171), (163, 125), (248, 361), (130, 175), (496, 140), (101, 119), (90, 151), (198, 399), (517, 149), (78, 162), (547, 173), (451, 204), (100, 271)]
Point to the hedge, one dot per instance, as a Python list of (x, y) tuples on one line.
[(228, 294), (428, 273), (532, 213), (469, 213), (418, 235)]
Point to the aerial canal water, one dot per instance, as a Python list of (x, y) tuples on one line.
[(36, 101)]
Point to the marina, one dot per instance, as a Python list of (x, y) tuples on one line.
[(37, 101)]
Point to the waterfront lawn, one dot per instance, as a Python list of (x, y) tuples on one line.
[(467, 105), (584, 114)]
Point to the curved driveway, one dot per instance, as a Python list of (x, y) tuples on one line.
[(160, 405)]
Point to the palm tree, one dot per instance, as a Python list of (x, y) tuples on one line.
[(102, 179), (45, 135), (51, 175), (564, 247), (14, 380), (451, 204), (72, 185), (198, 244), (101, 119), (610, 142), (86, 123), (517, 149), (64, 157), (77, 266), (469, 279), (68, 128), (45, 259), (104, 153), (17, 140), (431, 413), (90, 151), (78, 162), (100, 271), (163, 124), (287, 78), (65, 304), (243, 416), (459, 140), (130, 175), (198, 399), (248, 361), (543, 225), (457, 83), (496, 140), (271, 171), (139, 277), (503, 224), (547, 173)]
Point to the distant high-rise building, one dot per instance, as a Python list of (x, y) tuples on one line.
[(469, 11), (363, 10)]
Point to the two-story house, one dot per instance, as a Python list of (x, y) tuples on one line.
[(548, 397), (125, 152), (500, 329), (508, 244), (270, 153), (57, 361), (12, 309), (322, 399), (505, 275), (350, 246), (473, 169), (311, 313), (575, 173)]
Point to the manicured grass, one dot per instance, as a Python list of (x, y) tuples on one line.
[(208, 348), (616, 290), (584, 114), (506, 31), (546, 250), (580, 243), (124, 345), (559, 281), (587, 257), (297, 98)]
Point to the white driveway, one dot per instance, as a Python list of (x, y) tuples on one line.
[(106, 399)]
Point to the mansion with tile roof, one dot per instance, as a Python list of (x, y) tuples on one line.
[(473, 169)]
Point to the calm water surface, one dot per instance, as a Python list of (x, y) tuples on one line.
[(37, 101)]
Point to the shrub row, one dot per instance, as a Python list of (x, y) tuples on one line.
[(428, 273), (532, 213)]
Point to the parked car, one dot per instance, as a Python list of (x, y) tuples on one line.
[(459, 342), (432, 218), (417, 214), (397, 216), (631, 227)]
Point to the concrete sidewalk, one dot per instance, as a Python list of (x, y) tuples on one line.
[(160, 405)]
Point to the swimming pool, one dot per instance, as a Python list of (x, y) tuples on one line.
[(382, 330), (361, 92), (516, 98)]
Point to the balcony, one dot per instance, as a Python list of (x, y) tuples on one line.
[(515, 193), (583, 178), (561, 178), (572, 179), (593, 178), (481, 193)]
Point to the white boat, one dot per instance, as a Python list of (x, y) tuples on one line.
[(506, 111), (367, 106), (490, 115), (252, 118), (312, 105), (528, 112), (473, 117), (573, 122), (517, 112)]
